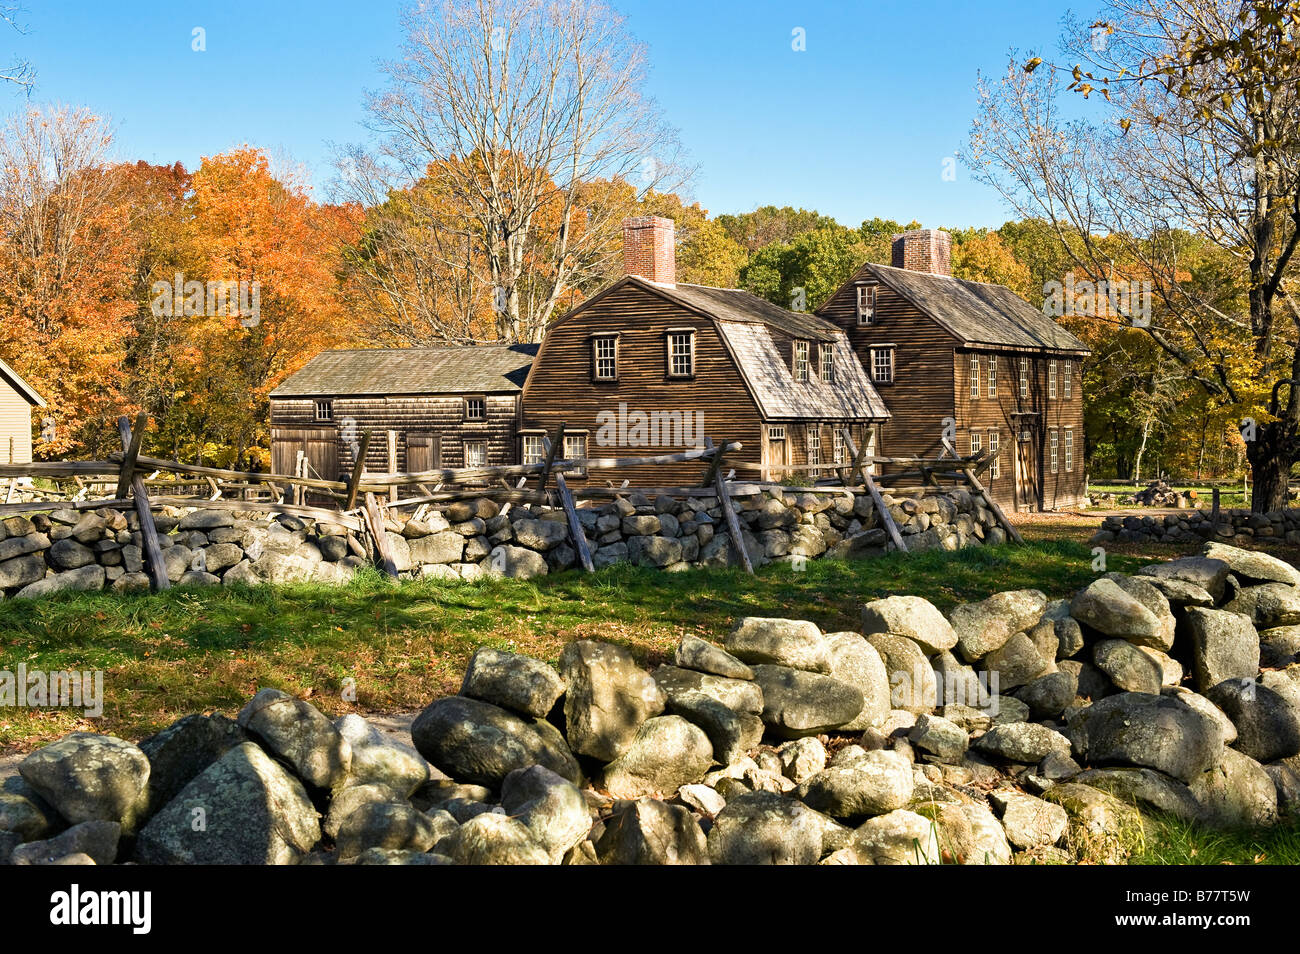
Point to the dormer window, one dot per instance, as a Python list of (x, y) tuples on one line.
[(866, 304), (801, 360), (828, 362)]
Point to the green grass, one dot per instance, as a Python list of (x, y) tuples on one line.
[(1173, 842)]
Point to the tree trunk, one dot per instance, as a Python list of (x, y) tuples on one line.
[(1271, 468)]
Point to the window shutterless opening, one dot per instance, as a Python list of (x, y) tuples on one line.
[(324, 410)]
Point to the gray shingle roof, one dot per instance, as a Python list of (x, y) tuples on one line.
[(451, 370), (979, 313), (734, 304)]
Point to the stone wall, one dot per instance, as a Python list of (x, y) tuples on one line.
[(1015, 729), (1238, 526), (71, 550)]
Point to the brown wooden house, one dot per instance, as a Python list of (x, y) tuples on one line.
[(426, 408), (650, 366), (17, 399), (970, 362)]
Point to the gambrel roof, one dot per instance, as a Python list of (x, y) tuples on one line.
[(451, 370), (975, 312)]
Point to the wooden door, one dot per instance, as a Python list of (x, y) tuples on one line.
[(778, 454), (422, 453), (319, 444), (1027, 479)]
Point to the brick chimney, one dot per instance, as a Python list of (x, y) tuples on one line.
[(923, 250), (648, 249)]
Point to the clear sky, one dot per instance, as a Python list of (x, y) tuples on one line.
[(857, 125)]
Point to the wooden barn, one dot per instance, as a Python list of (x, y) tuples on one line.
[(650, 366), (971, 362), (426, 408), (17, 398)]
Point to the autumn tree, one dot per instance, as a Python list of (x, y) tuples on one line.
[(1194, 136)]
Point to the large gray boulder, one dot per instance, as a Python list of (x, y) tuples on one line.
[(1267, 720), (608, 698), (764, 828), (797, 703), (513, 681), (492, 839), (666, 753), (913, 617), (650, 832), (797, 644), (1223, 646), (900, 837), (1129, 666), (185, 748), (551, 808), (515, 562), (984, 626), (299, 733), (394, 826), (83, 579), (96, 839), (743, 695), (1209, 574), (1159, 732), (732, 733), (378, 759), (89, 777), (856, 662), (478, 742), (912, 682), (1268, 605), (873, 784), (1147, 787), (694, 653), (244, 809), (1028, 821), (1023, 742), (1236, 793), (1105, 607), (1253, 566)]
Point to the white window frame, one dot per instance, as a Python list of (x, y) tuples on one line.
[(575, 448), (827, 355), (1069, 450), (676, 337), (481, 445), (599, 344), (531, 450), (326, 405), (887, 352), (1067, 382), (799, 367), (1024, 379), (866, 302), (776, 432), (814, 442), (1051, 380), (993, 376), (837, 446), (1053, 443), (481, 401), (976, 443), (974, 377), (995, 447)]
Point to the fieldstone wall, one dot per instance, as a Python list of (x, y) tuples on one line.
[(1010, 730), (1237, 526), (71, 550)]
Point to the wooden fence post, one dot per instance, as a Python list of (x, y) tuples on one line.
[(554, 448), (379, 531), (571, 515), (358, 468), (392, 464), (153, 557), (733, 523), (885, 516)]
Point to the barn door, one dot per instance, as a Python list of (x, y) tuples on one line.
[(1026, 468), (778, 455), (422, 453)]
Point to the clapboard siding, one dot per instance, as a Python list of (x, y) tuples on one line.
[(560, 388), (920, 396), (439, 415), (15, 426)]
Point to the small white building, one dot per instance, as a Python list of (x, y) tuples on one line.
[(17, 398)]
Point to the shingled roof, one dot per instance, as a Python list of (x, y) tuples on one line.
[(450, 370), (978, 313)]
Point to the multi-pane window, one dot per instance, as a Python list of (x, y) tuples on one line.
[(993, 376), (1024, 378), (801, 361), (476, 453), (882, 365), (776, 433), (866, 304), (605, 357), (814, 447), (828, 362), (1051, 380), (837, 446), (681, 354), (324, 410), (976, 443), (1052, 441), (534, 452), (575, 448), (995, 448), (1068, 381), (1069, 449), (974, 376), (475, 409)]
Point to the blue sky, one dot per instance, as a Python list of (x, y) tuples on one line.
[(857, 125)]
